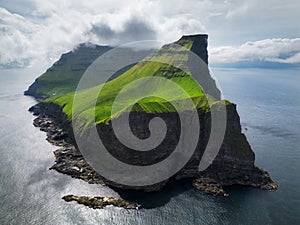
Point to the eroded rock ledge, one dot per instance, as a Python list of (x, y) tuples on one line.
[(69, 161), (230, 167), (100, 202), (258, 178)]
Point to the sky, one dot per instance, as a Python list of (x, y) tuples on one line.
[(35, 31)]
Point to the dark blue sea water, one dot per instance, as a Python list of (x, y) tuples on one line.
[(269, 106)]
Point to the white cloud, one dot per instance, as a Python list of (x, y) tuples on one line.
[(57, 26), (280, 50), (15, 31), (42, 30)]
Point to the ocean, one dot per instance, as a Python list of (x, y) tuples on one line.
[(268, 102)]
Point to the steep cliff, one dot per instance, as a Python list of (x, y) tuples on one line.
[(63, 76), (234, 163)]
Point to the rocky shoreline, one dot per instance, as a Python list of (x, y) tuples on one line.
[(100, 202), (233, 164), (68, 160)]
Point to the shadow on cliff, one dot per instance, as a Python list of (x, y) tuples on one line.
[(149, 200)]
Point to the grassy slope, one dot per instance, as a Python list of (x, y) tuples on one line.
[(84, 110), (64, 75)]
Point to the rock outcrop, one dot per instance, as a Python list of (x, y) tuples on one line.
[(100, 202), (234, 163), (64, 75)]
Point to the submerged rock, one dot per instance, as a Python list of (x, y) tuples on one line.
[(209, 186), (101, 202), (234, 163), (68, 160)]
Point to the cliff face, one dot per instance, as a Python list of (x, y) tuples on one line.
[(199, 46), (235, 151), (65, 74), (234, 163)]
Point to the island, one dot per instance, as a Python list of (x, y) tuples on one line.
[(55, 90)]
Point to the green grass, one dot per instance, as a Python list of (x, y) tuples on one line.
[(187, 43), (151, 104), (64, 75), (148, 68)]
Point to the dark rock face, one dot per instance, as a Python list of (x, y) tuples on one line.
[(54, 122), (139, 125), (32, 88), (234, 163), (200, 71), (200, 45)]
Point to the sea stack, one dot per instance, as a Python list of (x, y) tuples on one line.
[(234, 163)]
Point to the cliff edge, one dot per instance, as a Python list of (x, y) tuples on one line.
[(234, 163)]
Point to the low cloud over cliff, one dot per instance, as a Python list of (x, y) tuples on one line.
[(33, 30)]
